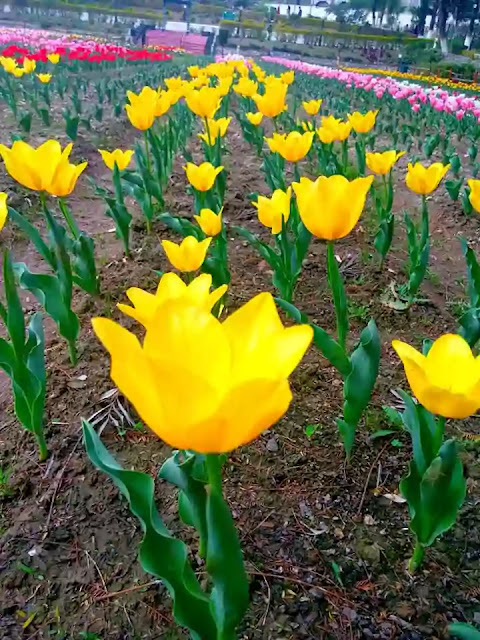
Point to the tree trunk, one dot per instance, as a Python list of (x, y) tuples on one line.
[(433, 19), (471, 26), (374, 12), (422, 17), (442, 25)]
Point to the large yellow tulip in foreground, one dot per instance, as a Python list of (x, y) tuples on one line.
[(202, 384)]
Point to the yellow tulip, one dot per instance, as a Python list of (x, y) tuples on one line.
[(326, 135), (210, 222), (18, 73), (273, 211), (287, 77), (205, 385), (3, 209), (44, 77), (474, 196), (447, 380), (363, 123), (175, 83), (331, 207), (224, 85), (9, 64), (202, 177), (29, 65), (424, 180), (54, 58), (292, 147), (194, 71), (272, 102), (65, 178), (187, 256), (204, 102), (312, 107), (254, 118), (172, 287), (333, 130), (43, 169), (258, 72), (142, 108), (216, 128), (163, 103), (382, 163), (173, 96), (330, 122), (246, 87), (198, 83), (117, 157)]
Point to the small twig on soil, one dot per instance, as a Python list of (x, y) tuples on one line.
[(97, 568), (309, 585), (360, 506), (114, 594), (57, 487), (261, 523)]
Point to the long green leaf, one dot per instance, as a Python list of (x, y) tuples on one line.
[(161, 554)]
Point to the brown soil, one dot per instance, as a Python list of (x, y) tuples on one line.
[(68, 543)]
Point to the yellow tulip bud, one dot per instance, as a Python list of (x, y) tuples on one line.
[(209, 222), (292, 147), (382, 163), (117, 157), (54, 58), (3, 209), (205, 385), (142, 108), (312, 107), (18, 73), (171, 287), (447, 380), (43, 169), (44, 77), (202, 177), (254, 118), (425, 180), (188, 255), (272, 212), (331, 207), (474, 196), (363, 123), (204, 102)]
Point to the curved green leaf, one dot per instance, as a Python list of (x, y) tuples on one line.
[(160, 554), (464, 631)]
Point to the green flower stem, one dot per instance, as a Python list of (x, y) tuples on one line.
[(72, 353), (149, 169), (214, 472), (338, 293), (425, 222), (417, 557), (344, 156), (69, 219), (42, 445)]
